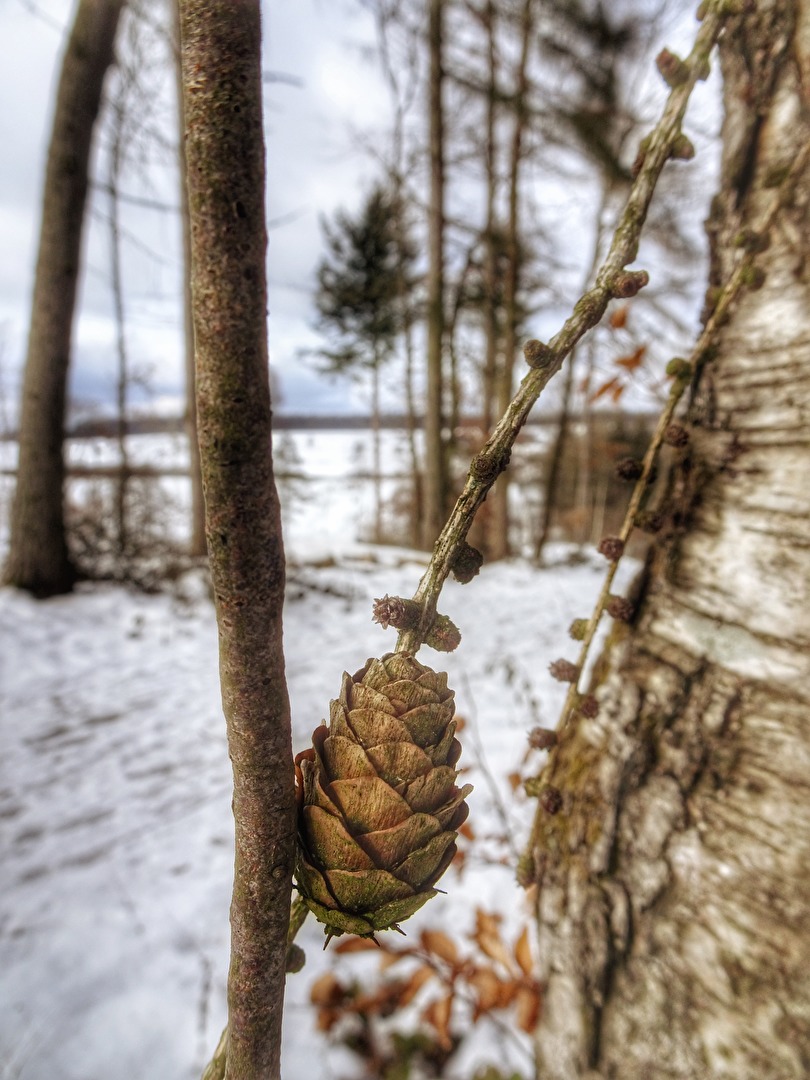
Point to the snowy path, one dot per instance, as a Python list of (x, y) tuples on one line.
[(115, 786)]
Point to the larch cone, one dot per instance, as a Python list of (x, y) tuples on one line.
[(379, 808)]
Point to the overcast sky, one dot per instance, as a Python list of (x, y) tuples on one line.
[(314, 165)]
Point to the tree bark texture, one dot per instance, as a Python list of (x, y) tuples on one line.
[(435, 489), (196, 545), (221, 69), (38, 556), (672, 899), (498, 546)]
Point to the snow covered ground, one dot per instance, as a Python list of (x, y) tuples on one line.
[(115, 793)]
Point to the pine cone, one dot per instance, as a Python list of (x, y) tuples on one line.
[(379, 806)]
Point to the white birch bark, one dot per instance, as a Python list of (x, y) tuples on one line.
[(673, 885)]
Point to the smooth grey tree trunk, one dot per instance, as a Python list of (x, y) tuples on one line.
[(38, 556), (672, 899)]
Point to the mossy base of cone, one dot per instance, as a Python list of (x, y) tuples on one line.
[(379, 808)]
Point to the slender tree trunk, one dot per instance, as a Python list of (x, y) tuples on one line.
[(222, 95), (122, 379), (376, 464), (498, 546), (491, 328), (38, 557), (435, 456), (407, 332), (672, 901), (551, 487), (416, 472), (196, 545)]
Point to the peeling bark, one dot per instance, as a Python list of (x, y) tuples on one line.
[(672, 886)]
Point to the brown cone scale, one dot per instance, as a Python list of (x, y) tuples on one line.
[(379, 806)]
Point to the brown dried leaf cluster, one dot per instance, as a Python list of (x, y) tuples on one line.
[(460, 984)]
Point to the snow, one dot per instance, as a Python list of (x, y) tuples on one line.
[(115, 791)]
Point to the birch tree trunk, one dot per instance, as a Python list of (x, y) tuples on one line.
[(222, 97), (672, 900), (38, 557)]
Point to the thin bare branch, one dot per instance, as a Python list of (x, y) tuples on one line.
[(612, 281)]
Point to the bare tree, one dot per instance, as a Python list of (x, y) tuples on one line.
[(38, 555), (222, 100), (436, 483), (498, 540)]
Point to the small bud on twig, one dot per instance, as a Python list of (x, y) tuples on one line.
[(752, 241), (550, 799), (650, 522), (620, 608), (629, 468), (753, 277), (578, 629), (564, 671), (612, 547), (397, 612), (296, 958), (466, 564), (541, 738), (488, 466), (679, 368), (673, 70), (676, 436), (683, 149), (537, 354), (444, 635), (628, 282), (588, 706)]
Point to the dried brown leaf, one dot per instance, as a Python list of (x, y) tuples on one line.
[(439, 944), (523, 952), (388, 959), (357, 944), (634, 360), (417, 980), (488, 938), (327, 1018), (437, 1014), (606, 388), (327, 989), (487, 988), (527, 1007)]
